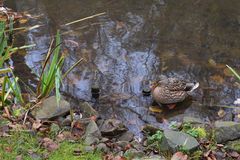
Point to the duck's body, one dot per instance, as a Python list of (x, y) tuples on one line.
[(172, 90)]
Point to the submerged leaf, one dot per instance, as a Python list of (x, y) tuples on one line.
[(155, 109)]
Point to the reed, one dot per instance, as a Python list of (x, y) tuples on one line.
[(234, 72)]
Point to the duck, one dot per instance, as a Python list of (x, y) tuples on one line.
[(170, 91)]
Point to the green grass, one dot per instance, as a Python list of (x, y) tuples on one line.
[(23, 143), (19, 143), (66, 150)]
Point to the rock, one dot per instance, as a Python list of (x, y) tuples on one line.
[(92, 133), (173, 140), (150, 129), (122, 144), (154, 157), (102, 147), (233, 145), (192, 120), (112, 127), (103, 140), (137, 145), (133, 153), (127, 136), (87, 110), (179, 156), (226, 131), (48, 108), (67, 121), (88, 148)]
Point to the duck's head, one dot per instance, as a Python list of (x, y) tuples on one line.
[(161, 80)]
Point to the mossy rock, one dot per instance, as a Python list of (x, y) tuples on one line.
[(234, 145)]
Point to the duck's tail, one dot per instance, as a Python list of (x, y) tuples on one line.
[(194, 86)]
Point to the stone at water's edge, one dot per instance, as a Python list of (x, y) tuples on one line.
[(226, 131), (192, 120), (127, 136), (173, 140), (112, 127), (48, 108), (133, 153), (87, 110), (92, 133)]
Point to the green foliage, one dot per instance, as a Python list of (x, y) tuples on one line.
[(154, 141), (66, 152), (11, 86), (234, 72), (193, 131), (157, 137), (51, 75)]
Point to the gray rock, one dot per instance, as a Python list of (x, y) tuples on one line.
[(49, 109), (112, 127), (122, 144), (192, 120), (154, 157), (88, 148), (89, 140), (133, 153), (226, 131), (104, 139), (92, 133), (87, 110), (137, 145), (234, 145), (127, 136), (102, 147), (173, 140)]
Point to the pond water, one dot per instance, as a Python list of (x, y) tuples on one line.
[(137, 41)]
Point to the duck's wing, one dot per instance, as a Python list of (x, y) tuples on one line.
[(176, 85)]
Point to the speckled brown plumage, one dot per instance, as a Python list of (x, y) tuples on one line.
[(172, 90)]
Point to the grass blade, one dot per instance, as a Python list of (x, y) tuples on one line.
[(234, 72)]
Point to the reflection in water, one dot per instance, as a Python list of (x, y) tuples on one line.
[(137, 41)]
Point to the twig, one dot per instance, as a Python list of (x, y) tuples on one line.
[(83, 19)]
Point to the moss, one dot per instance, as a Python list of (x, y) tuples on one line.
[(66, 152), (234, 145)]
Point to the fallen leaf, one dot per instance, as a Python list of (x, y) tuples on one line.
[(49, 144), (94, 118), (221, 113), (19, 157), (227, 72), (23, 20), (77, 152), (155, 109), (212, 62), (36, 125), (119, 25), (234, 154), (217, 78), (179, 156), (60, 137), (8, 149), (119, 158)]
